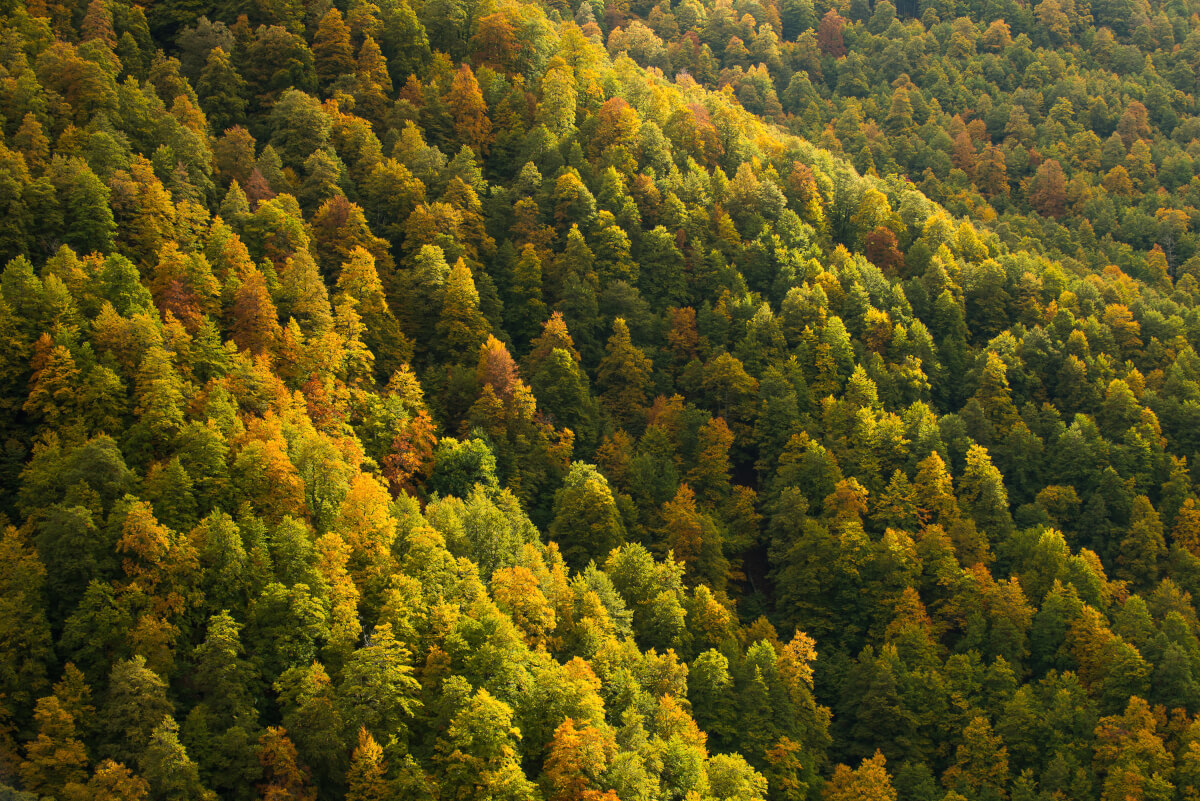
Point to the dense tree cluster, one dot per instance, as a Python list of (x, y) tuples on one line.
[(441, 401), (1071, 128)]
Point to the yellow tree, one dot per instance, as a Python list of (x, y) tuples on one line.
[(331, 48), (111, 781), (869, 782), (367, 779), (624, 377), (470, 110), (55, 757), (578, 756)]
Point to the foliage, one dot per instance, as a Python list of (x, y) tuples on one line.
[(452, 401)]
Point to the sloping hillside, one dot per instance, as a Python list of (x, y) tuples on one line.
[(472, 402)]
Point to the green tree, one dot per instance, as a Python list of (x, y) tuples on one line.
[(276, 60), (299, 127), (137, 705), (310, 709), (461, 328), (222, 91), (587, 524), (25, 650), (460, 465), (983, 493), (83, 198), (479, 755), (286, 624), (525, 311), (360, 280), (223, 677), (377, 690), (168, 769), (561, 387), (662, 279), (1142, 546)]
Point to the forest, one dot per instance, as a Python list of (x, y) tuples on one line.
[(600, 400)]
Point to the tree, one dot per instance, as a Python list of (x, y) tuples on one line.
[(222, 676), (1142, 546), (1130, 754), (275, 60), (1186, 530), (26, 641), (934, 491), (554, 335), (222, 89), (360, 280), (284, 779), (557, 106), (332, 51), (460, 465), (575, 283), (662, 280), (390, 194), (299, 127), (995, 396), (981, 762), (693, 539), (255, 318), (869, 781), (410, 457), (144, 211), (983, 493), (1048, 189), (302, 296), (1134, 123), (56, 757), (339, 227), (462, 328), (710, 477), (829, 34), (98, 24), (111, 781), (577, 758), (587, 524), (525, 311), (623, 377), (517, 594), (562, 391), (991, 172), (169, 771), (310, 710), (137, 705), (367, 780), (377, 690), (286, 623), (374, 83), (478, 753), (470, 111), (88, 224)]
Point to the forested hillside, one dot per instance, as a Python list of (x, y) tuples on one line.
[(471, 400)]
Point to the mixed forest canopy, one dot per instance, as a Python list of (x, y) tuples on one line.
[(503, 400)]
